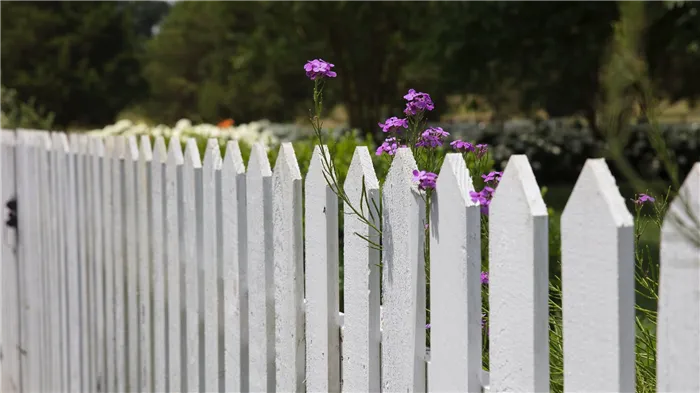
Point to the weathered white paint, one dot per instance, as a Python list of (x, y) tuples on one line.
[(208, 261), (234, 255), (175, 266), (10, 274), (83, 263), (519, 282), (57, 284), (288, 272), (403, 319), (598, 285), (98, 155), (145, 292), (157, 256), (110, 166), (361, 336), (322, 329), (119, 263), (47, 195), (89, 264), (260, 272), (455, 290), (132, 263), (678, 338), (191, 170)]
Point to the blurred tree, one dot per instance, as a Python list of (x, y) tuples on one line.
[(78, 59)]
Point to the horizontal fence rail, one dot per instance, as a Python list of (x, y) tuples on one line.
[(140, 267)]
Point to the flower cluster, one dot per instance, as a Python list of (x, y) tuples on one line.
[(432, 137), (424, 179), (318, 68), (417, 103), (485, 196), (389, 146), (393, 124), (643, 198)]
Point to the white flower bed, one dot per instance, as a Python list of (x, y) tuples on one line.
[(257, 131)]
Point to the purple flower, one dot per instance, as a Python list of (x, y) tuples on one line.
[(643, 198), (483, 198), (393, 124), (427, 326), (462, 146), (389, 146), (485, 278), (319, 68), (417, 102), (424, 179), (481, 150), (493, 176), (432, 137)]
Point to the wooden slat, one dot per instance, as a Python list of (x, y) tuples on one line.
[(110, 166), (519, 278), (174, 268), (157, 256), (131, 263), (234, 256), (208, 261), (321, 240), (678, 337), (83, 263), (403, 319), (455, 288), (361, 336), (10, 273), (598, 285), (191, 172), (288, 272), (61, 165), (260, 272), (119, 264), (145, 292), (99, 247)]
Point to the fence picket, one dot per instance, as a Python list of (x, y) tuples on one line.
[(403, 319), (132, 263), (455, 290), (175, 267), (61, 164), (56, 263), (233, 254), (260, 272), (10, 272), (361, 337), (598, 285), (518, 282), (288, 272), (191, 177), (157, 256), (97, 158), (119, 265), (109, 168), (678, 337), (83, 263), (145, 291), (208, 261), (321, 239)]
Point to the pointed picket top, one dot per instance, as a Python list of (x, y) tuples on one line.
[(145, 150), (160, 153), (83, 141), (62, 142), (318, 171), (401, 171), (109, 145), (519, 179), (97, 147), (212, 156), (132, 148), (597, 183), (678, 331), (361, 167), (8, 137), (454, 177), (45, 141), (175, 156), (518, 275), (361, 356), (191, 158), (233, 157), (597, 236), (286, 164), (73, 142), (258, 164), (119, 149), (455, 315)]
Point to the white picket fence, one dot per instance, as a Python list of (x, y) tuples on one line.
[(140, 269)]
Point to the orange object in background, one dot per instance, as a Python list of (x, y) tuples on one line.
[(226, 123)]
